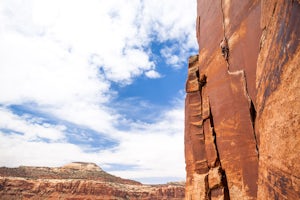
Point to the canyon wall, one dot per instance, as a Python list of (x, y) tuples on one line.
[(242, 110), (82, 189), (278, 101), (79, 181)]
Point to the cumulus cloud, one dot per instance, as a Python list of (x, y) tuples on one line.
[(151, 147), (31, 128), (152, 74), (17, 150), (61, 57)]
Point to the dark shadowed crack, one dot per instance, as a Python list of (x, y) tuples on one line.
[(218, 162)]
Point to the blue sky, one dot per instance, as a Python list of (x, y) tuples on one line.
[(96, 81)]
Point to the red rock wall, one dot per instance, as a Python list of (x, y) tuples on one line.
[(278, 101), (222, 132), (82, 189), (79, 180)]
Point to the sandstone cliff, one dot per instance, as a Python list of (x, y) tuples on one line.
[(242, 114), (78, 181)]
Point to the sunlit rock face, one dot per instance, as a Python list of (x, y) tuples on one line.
[(79, 181), (278, 101), (82, 166), (242, 111)]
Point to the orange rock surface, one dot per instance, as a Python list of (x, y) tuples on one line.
[(278, 101), (241, 129)]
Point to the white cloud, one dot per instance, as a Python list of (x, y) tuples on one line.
[(51, 43), (152, 74), (30, 127), (17, 150), (155, 148), (63, 55), (172, 20), (171, 57)]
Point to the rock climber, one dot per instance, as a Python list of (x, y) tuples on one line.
[(224, 48)]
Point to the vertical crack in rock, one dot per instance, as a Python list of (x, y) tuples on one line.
[(206, 179), (195, 154), (252, 110), (225, 185), (223, 19), (262, 38), (224, 42), (253, 117), (221, 172), (215, 181), (245, 140)]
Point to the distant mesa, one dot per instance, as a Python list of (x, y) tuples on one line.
[(80, 181), (74, 170), (82, 166)]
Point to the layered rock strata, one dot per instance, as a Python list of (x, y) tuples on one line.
[(79, 181), (234, 135)]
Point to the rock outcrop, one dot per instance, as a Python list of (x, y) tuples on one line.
[(242, 111), (79, 181), (278, 101)]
